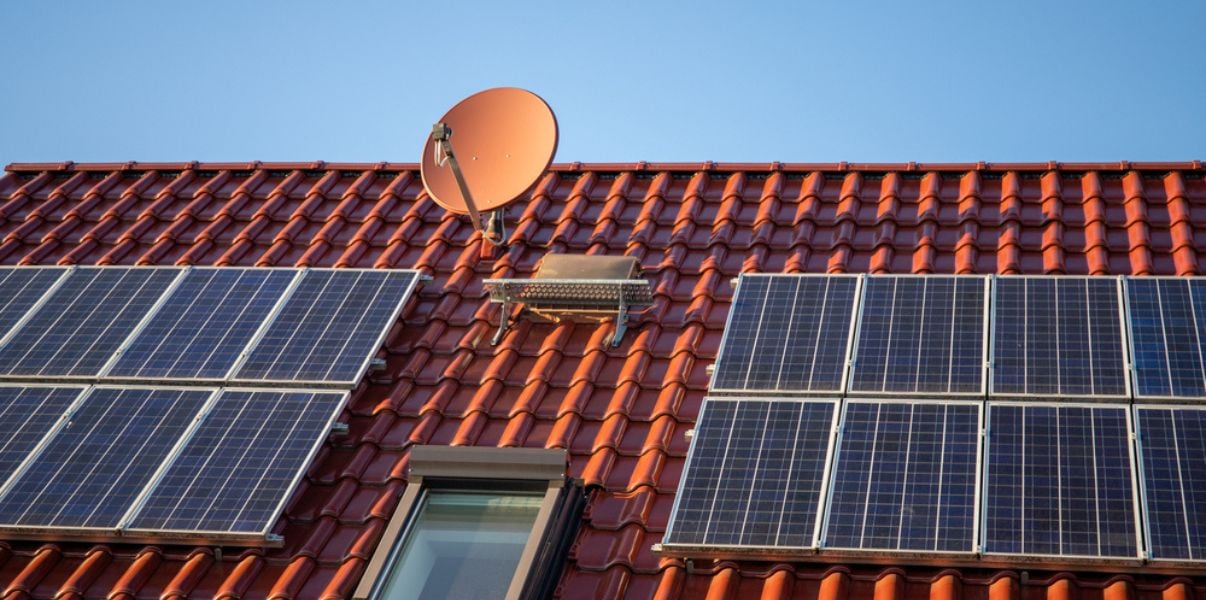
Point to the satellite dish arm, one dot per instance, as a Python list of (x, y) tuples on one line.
[(441, 134)]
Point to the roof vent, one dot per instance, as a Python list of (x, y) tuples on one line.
[(575, 286)]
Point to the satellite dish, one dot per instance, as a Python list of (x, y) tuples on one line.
[(505, 140)]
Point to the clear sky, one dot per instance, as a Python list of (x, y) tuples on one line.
[(690, 81)]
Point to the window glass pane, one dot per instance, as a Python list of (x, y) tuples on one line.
[(463, 545)]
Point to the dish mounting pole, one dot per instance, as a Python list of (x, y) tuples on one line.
[(441, 134)]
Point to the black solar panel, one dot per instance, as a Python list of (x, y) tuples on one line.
[(1059, 481), (89, 474), (755, 474), (787, 333), (1172, 456), (329, 328), (1058, 336), (236, 471), (78, 328), (27, 414), (20, 289), (920, 335), (204, 325), (905, 477), (1167, 319)]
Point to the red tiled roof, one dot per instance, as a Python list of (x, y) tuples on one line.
[(621, 412)]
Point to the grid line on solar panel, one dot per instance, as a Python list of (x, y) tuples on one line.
[(22, 290), (239, 466), (204, 325), (28, 413), (905, 477), (328, 328), (1166, 321), (755, 474), (1058, 337), (1172, 466), (76, 330), (921, 335), (88, 474), (787, 333), (1059, 481)]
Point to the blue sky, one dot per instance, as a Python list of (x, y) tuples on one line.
[(723, 81)]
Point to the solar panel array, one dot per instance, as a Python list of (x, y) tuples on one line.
[(788, 333), (1061, 455), (1058, 337), (756, 476), (1059, 481), (905, 477), (1172, 451), (921, 335), (156, 461), (196, 325), (172, 452)]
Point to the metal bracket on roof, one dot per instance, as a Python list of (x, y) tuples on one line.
[(589, 287), (339, 428)]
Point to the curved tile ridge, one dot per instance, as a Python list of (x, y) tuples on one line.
[(1097, 247), (1180, 225), (1138, 230)]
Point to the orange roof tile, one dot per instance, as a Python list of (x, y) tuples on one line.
[(621, 412)]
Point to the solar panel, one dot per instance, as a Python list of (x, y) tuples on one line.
[(1172, 461), (89, 473), (905, 477), (1167, 319), (1058, 336), (20, 290), (921, 335), (787, 333), (27, 414), (330, 326), (79, 326), (1059, 481), (204, 325), (755, 474), (239, 467)]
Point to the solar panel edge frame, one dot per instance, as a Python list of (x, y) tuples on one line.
[(1138, 449), (702, 550), (974, 550), (1133, 373), (1032, 558), (142, 324), (41, 301), (82, 392), (854, 311), (233, 381), (849, 392), (1124, 335), (248, 538)]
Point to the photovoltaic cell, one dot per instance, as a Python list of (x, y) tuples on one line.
[(89, 474), (204, 325), (20, 290), (27, 414), (787, 333), (1168, 335), (1172, 453), (1058, 336), (1059, 481), (79, 327), (238, 468), (905, 477), (755, 474), (920, 335), (329, 327)]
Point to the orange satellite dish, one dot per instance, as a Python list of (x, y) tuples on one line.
[(505, 139)]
